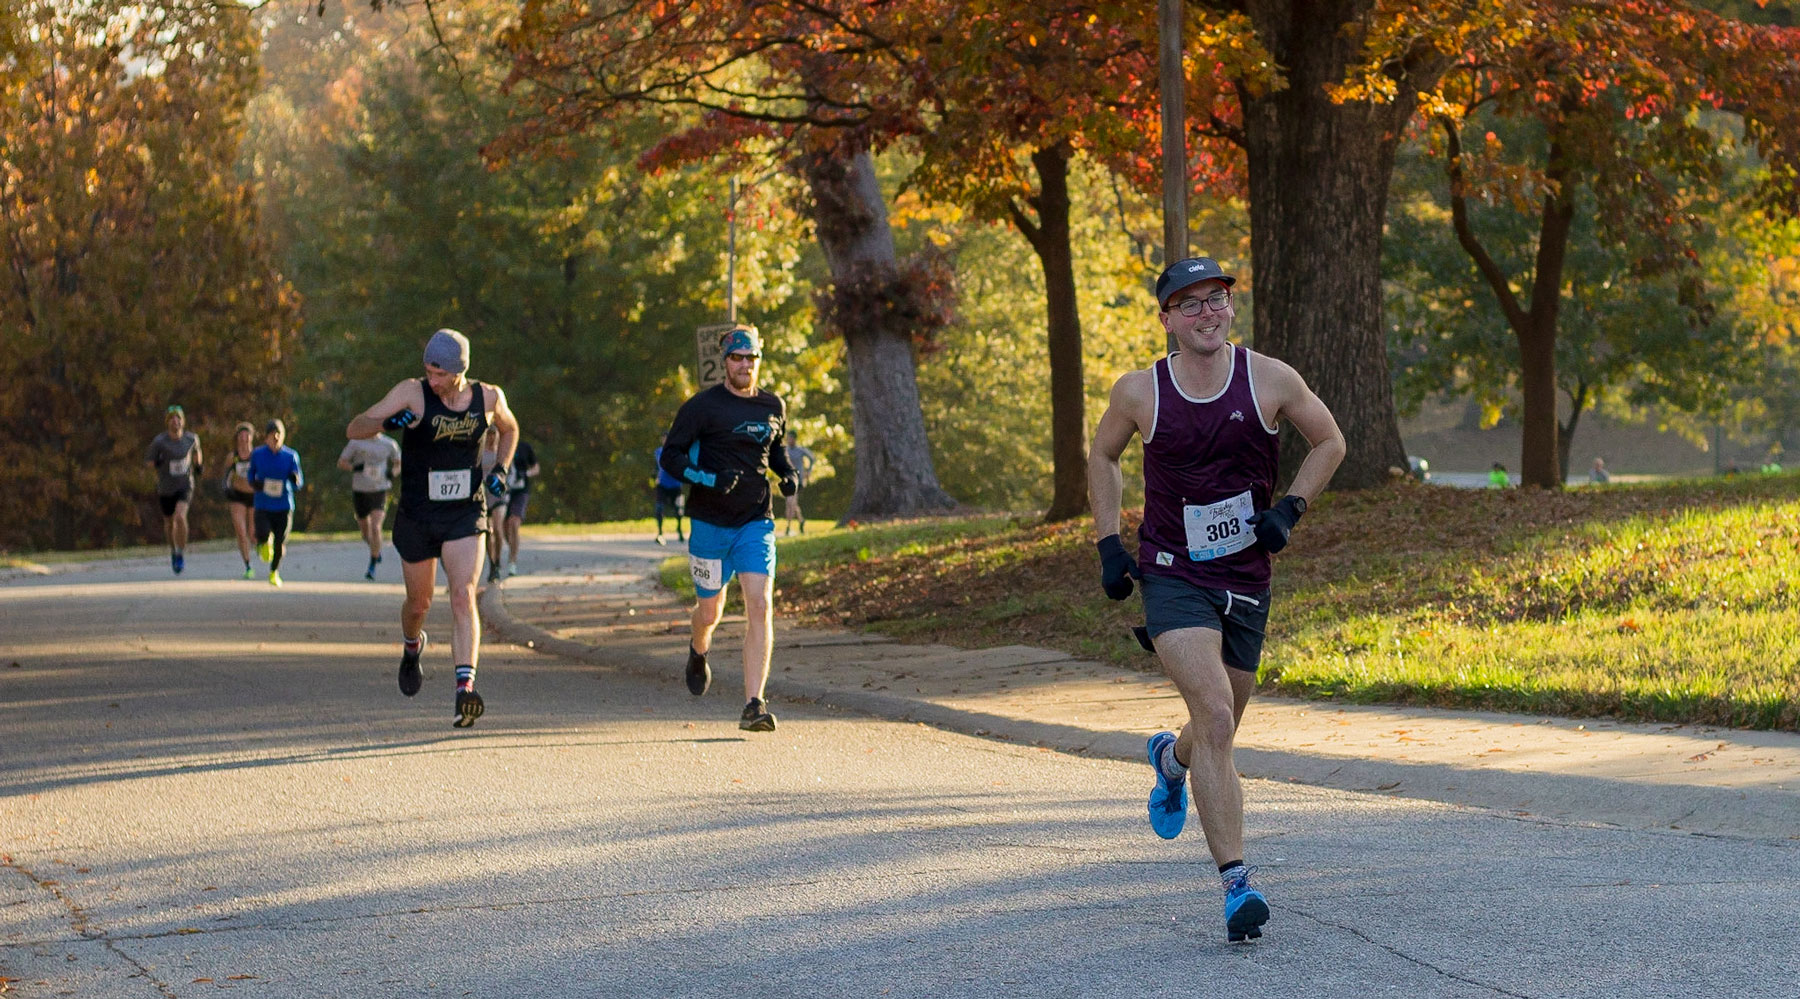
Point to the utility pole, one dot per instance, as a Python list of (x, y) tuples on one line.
[(731, 256), (1174, 133)]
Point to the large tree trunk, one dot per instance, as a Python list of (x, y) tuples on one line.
[(894, 473), (1318, 179), (1049, 238), (1533, 327), (1537, 338)]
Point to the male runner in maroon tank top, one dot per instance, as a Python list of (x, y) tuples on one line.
[(1208, 414)]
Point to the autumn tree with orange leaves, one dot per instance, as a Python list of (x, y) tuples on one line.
[(136, 275), (1618, 91), (810, 87)]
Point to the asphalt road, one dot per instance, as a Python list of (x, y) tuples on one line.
[(207, 784)]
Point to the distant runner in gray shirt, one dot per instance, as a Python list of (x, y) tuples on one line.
[(370, 462), (175, 454)]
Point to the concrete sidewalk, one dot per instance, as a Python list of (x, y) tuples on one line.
[(597, 600)]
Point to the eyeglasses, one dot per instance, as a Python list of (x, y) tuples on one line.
[(743, 358), (1216, 301)]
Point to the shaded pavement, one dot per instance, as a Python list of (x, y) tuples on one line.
[(597, 599)]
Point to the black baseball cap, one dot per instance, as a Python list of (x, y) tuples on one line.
[(1191, 271)]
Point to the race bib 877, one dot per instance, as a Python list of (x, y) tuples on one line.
[(450, 484)]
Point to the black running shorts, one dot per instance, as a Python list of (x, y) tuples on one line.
[(168, 502), (243, 499), (418, 539), (1239, 618), (367, 503), (516, 503)]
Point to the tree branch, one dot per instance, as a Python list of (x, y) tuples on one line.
[(1465, 235)]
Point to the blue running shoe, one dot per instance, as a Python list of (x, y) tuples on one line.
[(177, 562), (1245, 908), (1168, 799)]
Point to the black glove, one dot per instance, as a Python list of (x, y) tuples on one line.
[(1273, 525), (1117, 568), (790, 484), (400, 420), (496, 481)]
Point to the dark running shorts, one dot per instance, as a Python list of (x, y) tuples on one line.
[(516, 502), (367, 503), (1239, 618), (420, 539), (168, 502), (241, 498)]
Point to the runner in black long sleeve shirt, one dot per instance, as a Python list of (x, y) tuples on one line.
[(724, 442)]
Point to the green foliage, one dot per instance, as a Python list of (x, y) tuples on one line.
[(137, 273), (579, 279), (1654, 336)]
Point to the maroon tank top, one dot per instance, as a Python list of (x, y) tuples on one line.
[(1208, 463)]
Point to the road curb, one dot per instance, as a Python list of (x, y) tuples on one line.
[(893, 707), (1634, 799)]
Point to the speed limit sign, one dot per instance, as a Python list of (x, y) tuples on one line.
[(711, 369)]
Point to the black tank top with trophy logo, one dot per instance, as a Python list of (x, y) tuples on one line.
[(440, 457)]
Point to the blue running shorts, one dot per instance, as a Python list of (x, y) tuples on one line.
[(715, 554)]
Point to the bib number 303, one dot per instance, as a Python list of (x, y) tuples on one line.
[(1216, 530), (450, 484)]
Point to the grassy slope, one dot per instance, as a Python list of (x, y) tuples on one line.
[(1670, 602)]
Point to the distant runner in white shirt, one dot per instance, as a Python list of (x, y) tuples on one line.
[(370, 463)]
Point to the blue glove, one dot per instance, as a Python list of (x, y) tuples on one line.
[(724, 481), (400, 421), (790, 484), (496, 481), (1273, 525), (1117, 568)]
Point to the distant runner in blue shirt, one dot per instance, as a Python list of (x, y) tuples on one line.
[(274, 476), (668, 495)]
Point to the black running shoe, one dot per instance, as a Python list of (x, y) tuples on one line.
[(756, 717), (699, 675), (494, 573), (469, 707), (412, 674)]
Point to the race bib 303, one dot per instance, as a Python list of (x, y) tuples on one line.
[(1219, 529)]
